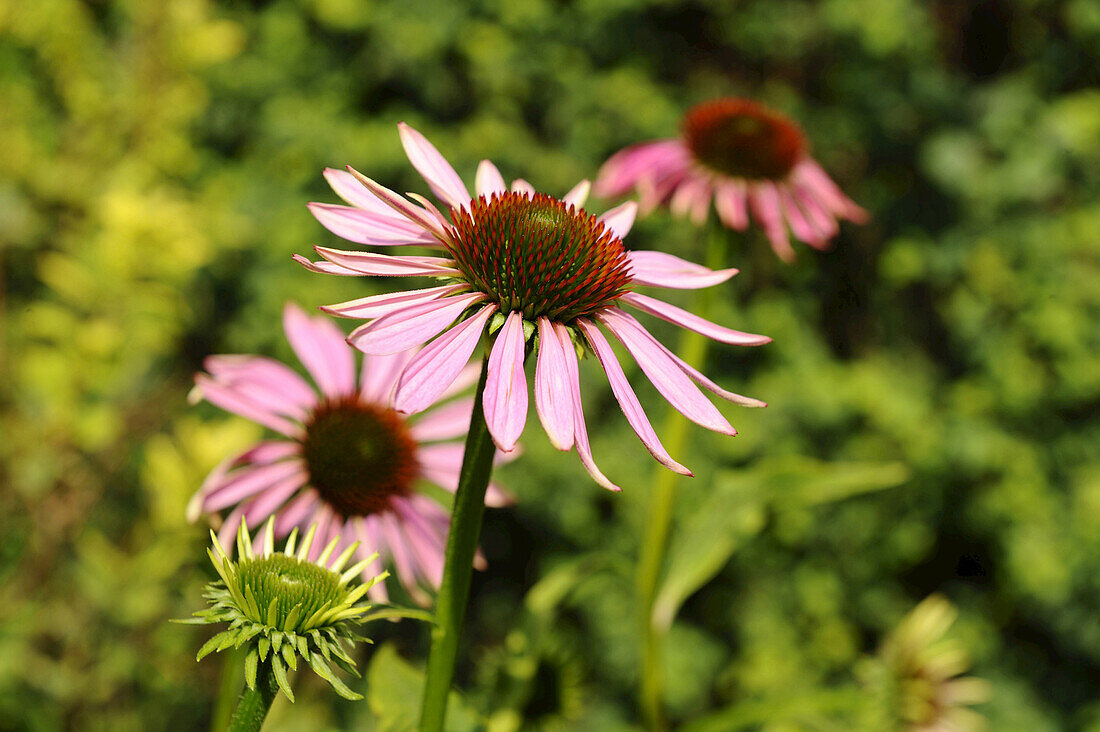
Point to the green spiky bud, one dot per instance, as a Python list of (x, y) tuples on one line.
[(283, 607)]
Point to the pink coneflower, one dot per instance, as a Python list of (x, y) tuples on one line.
[(541, 272), (346, 460), (745, 157)]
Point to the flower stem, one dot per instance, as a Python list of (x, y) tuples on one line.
[(693, 349), (450, 604), (254, 704)]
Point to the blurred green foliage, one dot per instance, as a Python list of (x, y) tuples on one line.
[(934, 382)]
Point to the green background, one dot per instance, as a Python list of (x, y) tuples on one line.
[(934, 382)]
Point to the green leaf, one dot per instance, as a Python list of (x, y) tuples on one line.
[(210, 646), (393, 694)]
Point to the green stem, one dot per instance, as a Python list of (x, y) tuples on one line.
[(254, 704), (450, 604), (693, 349), (232, 678)]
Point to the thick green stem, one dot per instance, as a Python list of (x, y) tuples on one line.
[(693, 349), (254, 704), (450, 604)]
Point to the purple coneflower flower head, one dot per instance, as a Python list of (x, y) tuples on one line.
[(541, 273), (345, 459), (746, 158)]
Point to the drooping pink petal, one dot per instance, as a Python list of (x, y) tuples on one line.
[(261, 453), (320, 347), (657, 269), (408, 570), (626, 168), (265, 397), (809, 173), (731, 202), (506, 385), (467, 377), (684, 319), (442, 463), (273, 497), (389, 265), (429, 556), (368, 227), (379, 375), (800, 227), (228, 399), (519, 185), (631, 407), (764, 202), (709, 385), (228, 532), (666, 376), (431, 209), (411, 326), (375, 306), (399, 204), (621, 218), (444, 423), (436, 171), (322, 519), (816, 214), (252, 481), (578, 194), (266, 373), (580, 431), (553, 400), (489, 180), (691, 198), (351, 190), (323, 267), (367, 546), (295, 512), (433, 369)]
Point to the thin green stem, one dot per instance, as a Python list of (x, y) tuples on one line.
[(254, 704), (450, 604), (693, 349), (232, 678)]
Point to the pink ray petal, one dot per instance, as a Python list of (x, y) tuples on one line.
[(352, 191), (367, 546), (436, 171), (320, 347), (657, 269), (506, 385), (265, 397), (578, 194), (685, 200), (367, 227), (411, 326), (800, 226), (267, 373), (433, 369), (272, 498), (764, 202), (815, 177), (227, 534), (444, 423), (325, 267), (626, 168), (466, 378), (620, 219), (259, 454), (816, 214), (709, 385), (627, 399), (295, 512), (442, 463), (375, 306), (428, 559), (684, 319), (432, 541), (322, 518), (431, 209), (519, 185), (580, 431), (389, 265), (399, 204), (489, 180), (408, 569), (225, 397), (379, 376), (553, 400), (665, 375), (731, 203), (253, 481)]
